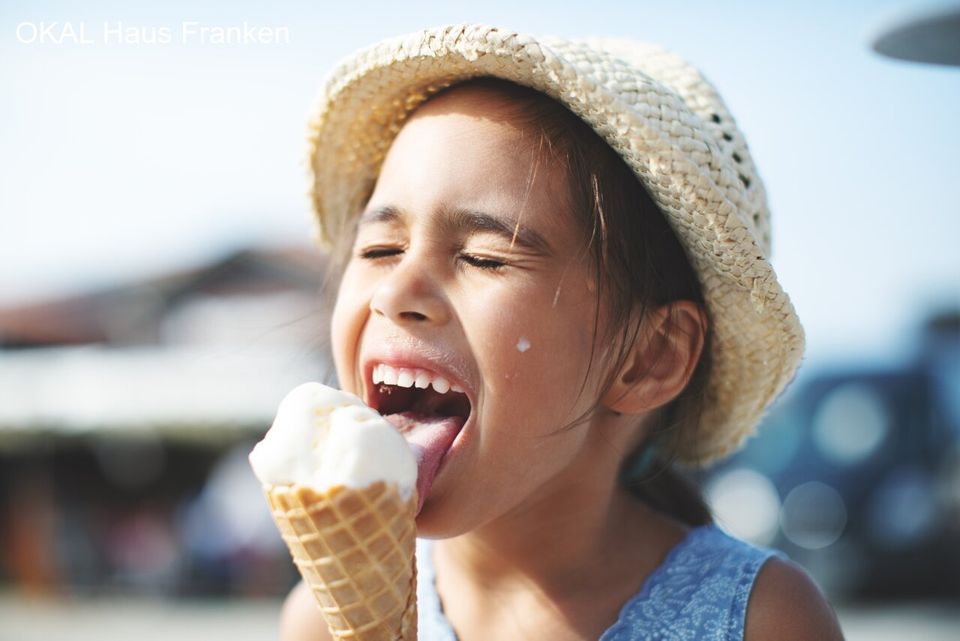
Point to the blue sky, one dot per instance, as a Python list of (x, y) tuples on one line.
[(120, 161)]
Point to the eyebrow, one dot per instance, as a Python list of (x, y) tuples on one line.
[(460, 219)]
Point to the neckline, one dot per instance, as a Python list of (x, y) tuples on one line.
[(436, 606)]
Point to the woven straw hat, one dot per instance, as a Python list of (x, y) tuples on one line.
[(660, 115)]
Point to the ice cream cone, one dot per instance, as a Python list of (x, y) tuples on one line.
[(355, 549)]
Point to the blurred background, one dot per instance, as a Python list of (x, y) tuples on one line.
[(159, 294)]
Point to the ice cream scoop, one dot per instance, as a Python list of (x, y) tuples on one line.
[(324, 437)]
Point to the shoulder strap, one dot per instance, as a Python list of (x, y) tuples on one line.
[(700, 591)]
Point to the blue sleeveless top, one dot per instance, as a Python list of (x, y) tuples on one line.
[(698, 593)]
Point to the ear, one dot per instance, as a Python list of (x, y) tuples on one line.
[(661, 360)]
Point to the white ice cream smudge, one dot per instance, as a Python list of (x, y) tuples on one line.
[(323, 437), (523, 344)]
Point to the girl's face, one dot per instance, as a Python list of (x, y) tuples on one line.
[(464, 268)]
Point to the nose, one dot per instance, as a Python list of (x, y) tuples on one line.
[(407, 294)]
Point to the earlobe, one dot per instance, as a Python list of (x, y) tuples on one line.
[(661, 360)]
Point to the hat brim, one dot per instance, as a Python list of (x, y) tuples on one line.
[(667, 123)]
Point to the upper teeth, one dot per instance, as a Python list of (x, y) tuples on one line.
[(404, 377)]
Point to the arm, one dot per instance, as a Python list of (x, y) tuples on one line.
[(300, 619), (787, 605)]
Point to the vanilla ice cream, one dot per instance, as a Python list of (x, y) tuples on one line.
[(323, 437)]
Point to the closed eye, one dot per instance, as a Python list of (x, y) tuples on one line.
[(482, 263), (374, 253)]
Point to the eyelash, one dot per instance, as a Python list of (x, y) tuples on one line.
[(486, 264), (378, 252)]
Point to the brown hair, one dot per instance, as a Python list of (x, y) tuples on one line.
[(639, 265)]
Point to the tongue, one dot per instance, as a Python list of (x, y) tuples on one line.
[(429, 436)]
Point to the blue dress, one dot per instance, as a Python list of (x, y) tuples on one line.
[(698, 593)]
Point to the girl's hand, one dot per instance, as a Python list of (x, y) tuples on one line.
[(300, 619)]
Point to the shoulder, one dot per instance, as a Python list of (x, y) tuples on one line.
[(786, 604)]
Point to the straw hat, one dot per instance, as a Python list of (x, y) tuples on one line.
[(660, 115)]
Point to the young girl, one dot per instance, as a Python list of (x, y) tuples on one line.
[(567, 243)]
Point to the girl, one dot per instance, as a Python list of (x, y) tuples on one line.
[(566, 242)]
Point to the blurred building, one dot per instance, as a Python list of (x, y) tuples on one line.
[(125, 418)]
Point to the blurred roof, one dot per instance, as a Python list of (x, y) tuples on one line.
[(197, 352), (128, 313)]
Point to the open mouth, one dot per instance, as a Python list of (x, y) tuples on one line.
[(393, 399), (426, 409)]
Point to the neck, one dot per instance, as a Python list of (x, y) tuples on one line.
[(561, 564), (569, 538)]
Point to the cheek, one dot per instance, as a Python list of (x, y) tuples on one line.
[(537, 353), (346, 323)]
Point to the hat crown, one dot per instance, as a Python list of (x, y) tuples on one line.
[(631, 70)]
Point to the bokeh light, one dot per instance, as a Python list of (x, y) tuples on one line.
[(851, 423), (813, 515), (745, 503), (903, 508)]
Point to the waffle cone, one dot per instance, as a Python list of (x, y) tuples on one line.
[(355, 550)]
